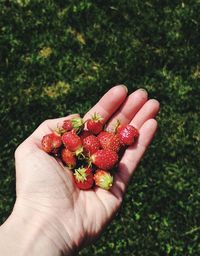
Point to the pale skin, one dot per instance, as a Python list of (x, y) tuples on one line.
[(53, 217)]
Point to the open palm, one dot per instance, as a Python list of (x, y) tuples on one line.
[(46, 187)]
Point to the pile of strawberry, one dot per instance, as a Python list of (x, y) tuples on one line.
[(88, 150)]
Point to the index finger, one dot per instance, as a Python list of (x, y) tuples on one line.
[(109, 103), (106, 106)]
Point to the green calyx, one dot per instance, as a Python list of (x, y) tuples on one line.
[(59, 131), (80, 174), (90, 160), (106, 181), (79, 152), (78, 124), (97, 117)]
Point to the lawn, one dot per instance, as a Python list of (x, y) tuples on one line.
[(59, 57)]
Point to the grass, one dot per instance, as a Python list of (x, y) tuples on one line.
[(58, 58)]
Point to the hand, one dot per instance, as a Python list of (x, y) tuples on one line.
[(71, 217)]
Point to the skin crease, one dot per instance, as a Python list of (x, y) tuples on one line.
[(59, 218)]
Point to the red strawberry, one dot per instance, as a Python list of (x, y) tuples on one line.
[(67, 125), (103, 179), (127, 134), (83, 178), (72, 142), (76, 124), (91, 144), (95, 124), (47, 143), (104, 159), (84, 134), (68, 158), (51, 143), (109, 140)]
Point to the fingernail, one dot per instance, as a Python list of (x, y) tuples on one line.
[(145, 91), (126, 89)]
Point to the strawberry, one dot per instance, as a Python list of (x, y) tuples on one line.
[(51, 143), (72, 142), (68, 158), (91, 144), (103, 179), (83, 178), (84, 134), (109, 140), (76, 124), (95, 124), (47, 143), (127, 134), (67, 125), (104, 159)]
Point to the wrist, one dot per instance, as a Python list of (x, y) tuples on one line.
[(29, 232)]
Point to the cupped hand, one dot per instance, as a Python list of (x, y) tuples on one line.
[(46, 188)]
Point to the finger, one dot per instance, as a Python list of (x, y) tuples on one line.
[(148, 111), (129, 108), (49, 125), (133, 155), (102, 107), (109, 103)]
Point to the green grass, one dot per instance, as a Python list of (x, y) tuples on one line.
[(58, 57)]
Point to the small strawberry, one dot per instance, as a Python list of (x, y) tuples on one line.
[(109, 140), (103, 179), (104, 159), (67, 125), (76, 124), (83, 178), (95, 124), (51, 143), (127, 134), (72, 142), (68, 158), (84, 134), (47, 143), (91, 144)]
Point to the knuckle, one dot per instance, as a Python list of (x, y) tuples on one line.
[(17, 152), (46, 123)]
